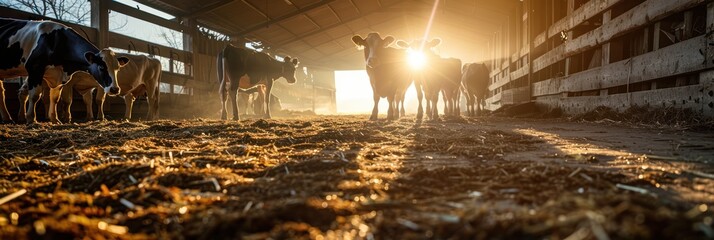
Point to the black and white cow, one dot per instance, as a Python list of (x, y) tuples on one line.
[(244, 68), (388, 72), (44, 50)]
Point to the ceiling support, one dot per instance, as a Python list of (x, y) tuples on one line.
[(208, 8), (281, 18), (344, 21)]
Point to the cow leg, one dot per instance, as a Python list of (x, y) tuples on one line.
[(434, 108), (55, 93), (100, 98), (152, 96), (429, 103), (420, 95), (34, 96), (223, 95), (390, 110), (233, 94), (22, 96), (130, 97), (402, 112), (129, 104), (3, 108), (266, 97), (87, 98), (63, 109), (375, 109)]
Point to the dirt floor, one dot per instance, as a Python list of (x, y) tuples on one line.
[(342, 177)]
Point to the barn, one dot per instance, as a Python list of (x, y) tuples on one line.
[(596, 124)]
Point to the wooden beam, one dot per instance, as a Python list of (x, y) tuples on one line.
[(133, 12), (284, 17), (208, 8), (100, 21), (337, 24)]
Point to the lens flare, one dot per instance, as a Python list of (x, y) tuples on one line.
[(416, 60)]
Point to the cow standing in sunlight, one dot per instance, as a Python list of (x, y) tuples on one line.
[(475, 86), (440, 75), (387, 69), (244, 68)]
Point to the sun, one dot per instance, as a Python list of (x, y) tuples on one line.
[(416, 59)]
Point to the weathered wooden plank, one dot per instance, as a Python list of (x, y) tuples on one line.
[(641, 15), (126, 42), (585, 12), (710, 37), (518, 73), (547, 87), (636, 17), (539, 39), (553, 56), (673, 60), (500, 80)]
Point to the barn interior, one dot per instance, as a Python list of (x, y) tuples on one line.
[(570, 55), (311, 174)]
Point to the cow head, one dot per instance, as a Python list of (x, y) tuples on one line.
[(427, 47), (373, 46), (289, 66), (104, 66)]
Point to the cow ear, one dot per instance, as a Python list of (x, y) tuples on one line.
[(122, 61), (434, 42), (295, 62), (286, 59), (89, 56), (402, 44), (388, 40), (358, 40)]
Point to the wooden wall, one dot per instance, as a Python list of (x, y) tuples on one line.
[(612, 53)]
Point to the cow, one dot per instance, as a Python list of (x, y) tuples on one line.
[(475, 85), (244, 68), (137, 78), (45, 50), (441, 75), (388, 72), (138, 75)]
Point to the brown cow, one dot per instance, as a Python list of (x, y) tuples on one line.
[(388, 71), (440, 75), (139, 77), (475, 84)]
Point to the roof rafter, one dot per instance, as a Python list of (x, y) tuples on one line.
[(284, 17), (209, 8), (343, 22)]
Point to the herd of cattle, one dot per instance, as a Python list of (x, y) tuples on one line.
[(390, 75), (54, 57)]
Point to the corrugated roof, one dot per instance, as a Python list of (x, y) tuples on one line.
[(319, 31)]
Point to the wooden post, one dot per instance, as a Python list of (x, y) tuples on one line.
[(100, 21), (606, 17), (709, 58), (656, 33), (688, 16)]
